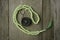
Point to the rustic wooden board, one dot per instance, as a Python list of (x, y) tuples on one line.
[(57, 19), (47, 16), (16, 34), (46, 10), (4, 19)]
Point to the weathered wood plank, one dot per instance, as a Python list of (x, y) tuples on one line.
[(47, 16), (57, 19), (16, 34), (3, 19)]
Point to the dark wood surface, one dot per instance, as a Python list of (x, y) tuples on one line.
[(46, 9)]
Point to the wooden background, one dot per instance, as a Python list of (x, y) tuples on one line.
[(47, 9)]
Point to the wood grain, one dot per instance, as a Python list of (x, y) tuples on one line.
[(4, 19), (16, 34), (57, 19), (47, 16), (46, 9)]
